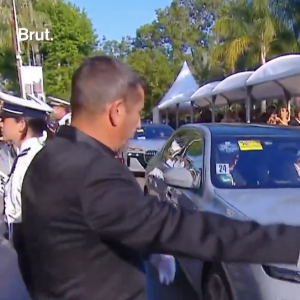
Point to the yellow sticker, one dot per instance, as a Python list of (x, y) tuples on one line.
[(140, 130), (250, 145)]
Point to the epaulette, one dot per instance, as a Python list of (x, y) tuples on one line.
[(23, 152)]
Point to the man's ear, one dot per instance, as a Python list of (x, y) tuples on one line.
[(22, 125), (117, 112)]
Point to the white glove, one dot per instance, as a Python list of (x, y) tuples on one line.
[(157, 173), (166, 267)]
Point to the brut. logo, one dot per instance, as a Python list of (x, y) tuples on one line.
[(25, 35)]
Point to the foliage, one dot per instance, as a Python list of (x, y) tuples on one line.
[(157, 70), (8, 70), (27, 16), (215, 37), (73, 39), (250, 30)]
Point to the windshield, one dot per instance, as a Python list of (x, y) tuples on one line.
[(254, 163), (153, 132)]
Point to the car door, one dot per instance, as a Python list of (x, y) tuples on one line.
[(169, 157), (191, 158)]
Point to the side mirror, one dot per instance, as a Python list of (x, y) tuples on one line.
[(183, 178)]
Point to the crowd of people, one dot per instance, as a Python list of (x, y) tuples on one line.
[(280, 115)]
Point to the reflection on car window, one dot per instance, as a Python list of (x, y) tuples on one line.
[(185, 150), (174, 148), (267, 162), (193, 159), (153, 132)]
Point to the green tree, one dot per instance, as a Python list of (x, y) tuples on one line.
[(184, 31), (154, 66), (118, 49), (73, 39), (8, 74), (249, 32), (288, 11), (28, 18)]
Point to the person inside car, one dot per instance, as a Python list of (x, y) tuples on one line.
[(296, 120), (283, 116), (297, 165), (271, 117), (233, 177), (230, 117)]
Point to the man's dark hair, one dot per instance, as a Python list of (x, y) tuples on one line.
[(296, 111), (36, 126), (100, 80)]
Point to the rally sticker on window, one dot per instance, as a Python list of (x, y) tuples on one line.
[(250, 145), (222, 169), (228, 147)]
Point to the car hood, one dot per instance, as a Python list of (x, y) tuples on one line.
[(146, 144), (265, 206)]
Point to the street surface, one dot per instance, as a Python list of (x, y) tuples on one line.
[(141, 182), (11, 283)]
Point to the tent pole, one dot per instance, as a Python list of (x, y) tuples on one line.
[(213, 109), (248, 104), (167, 116), (177, 115), (192, 112)]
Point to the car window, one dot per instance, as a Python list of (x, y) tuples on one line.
[(174, 148), (153, 132), (184, 149), (193, 155), (192, 158), (255, 162)]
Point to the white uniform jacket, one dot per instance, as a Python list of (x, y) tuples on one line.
[(6, 163), (12, 194)]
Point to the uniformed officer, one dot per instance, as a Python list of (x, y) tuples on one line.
[(85, 220), (8, 154), (61, 111), (23, 124)]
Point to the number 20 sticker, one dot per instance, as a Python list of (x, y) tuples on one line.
[(222, 168)]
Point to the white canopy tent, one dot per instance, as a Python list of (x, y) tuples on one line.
[(232, 88), (203, 96), (279, 77), (181, 90)]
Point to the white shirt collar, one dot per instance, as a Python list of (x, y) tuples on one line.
[(28, 143)]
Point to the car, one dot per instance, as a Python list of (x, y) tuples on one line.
[(242, 171), (144, 145)]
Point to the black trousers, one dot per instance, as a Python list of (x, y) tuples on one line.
[(19, 246)]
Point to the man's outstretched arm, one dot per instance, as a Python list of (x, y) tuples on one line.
[(115, 207)]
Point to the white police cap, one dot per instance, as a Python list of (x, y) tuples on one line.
[(18, 107), (58, 101)]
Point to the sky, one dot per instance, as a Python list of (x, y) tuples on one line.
[(117, 18)]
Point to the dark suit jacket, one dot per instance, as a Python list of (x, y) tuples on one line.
[(85, 221), (294, 122)]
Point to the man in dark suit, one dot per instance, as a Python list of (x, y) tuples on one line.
[(86, 222), (295, 121)]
